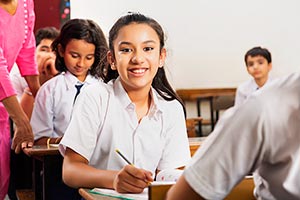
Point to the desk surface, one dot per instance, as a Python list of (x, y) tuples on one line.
[(194, 94), (244, 190), (41, 150)]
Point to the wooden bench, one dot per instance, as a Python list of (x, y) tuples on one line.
[(25, 194)]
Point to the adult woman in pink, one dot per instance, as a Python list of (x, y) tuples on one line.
[(17, 44)]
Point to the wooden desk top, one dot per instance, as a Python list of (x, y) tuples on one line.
[(41, 150), (244, 190), (195, 143), (194, 94)]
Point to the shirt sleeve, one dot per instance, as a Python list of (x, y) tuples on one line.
[(238, 97), (83, 129), (6, 87), (229, 153), (42, 114), (176, 152), (26, 57)]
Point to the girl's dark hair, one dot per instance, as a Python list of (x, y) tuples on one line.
[(89, 31), (160, 82)]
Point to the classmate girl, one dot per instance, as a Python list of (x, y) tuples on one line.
[(80, 49), (137, 112)]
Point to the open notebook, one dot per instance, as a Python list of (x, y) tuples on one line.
[(164, 177)]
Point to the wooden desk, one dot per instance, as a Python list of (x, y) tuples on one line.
[(194, 94), (244, 190), (195, 143), (209, 94), (45, 155)]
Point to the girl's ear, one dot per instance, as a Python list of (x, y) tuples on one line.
[(61, 50), (162, 57), (111, 61)]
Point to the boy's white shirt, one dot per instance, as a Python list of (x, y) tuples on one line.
[(246, 89)]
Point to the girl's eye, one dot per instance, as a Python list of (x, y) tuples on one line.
[(126, 50), (89, 57), (74, 55), (148, 48)]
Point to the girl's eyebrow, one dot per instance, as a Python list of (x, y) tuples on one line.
[(129, 43)]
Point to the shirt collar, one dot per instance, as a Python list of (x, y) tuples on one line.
[(155, 107), (72, 80)]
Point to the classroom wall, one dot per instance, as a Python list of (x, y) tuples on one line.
[(207, 39)]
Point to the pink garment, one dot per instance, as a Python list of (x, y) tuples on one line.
[(17, 44)]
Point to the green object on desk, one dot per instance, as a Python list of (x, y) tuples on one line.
[(110, 195), (115, 194)]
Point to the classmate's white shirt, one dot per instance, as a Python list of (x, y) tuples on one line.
[(246, 89), (104, 120), (294, 177), (18, 82), (54, 103), (262, 135)]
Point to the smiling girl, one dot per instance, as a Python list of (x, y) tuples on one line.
[(137, 112)]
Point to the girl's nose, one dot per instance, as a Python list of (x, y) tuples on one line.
[(138, 57), (80, 62)]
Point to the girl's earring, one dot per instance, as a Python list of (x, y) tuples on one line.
[(161, 64), (112, 65)]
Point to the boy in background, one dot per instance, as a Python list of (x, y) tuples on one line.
[(259, 63)]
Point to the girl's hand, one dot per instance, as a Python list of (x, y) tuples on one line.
[(132, 180)]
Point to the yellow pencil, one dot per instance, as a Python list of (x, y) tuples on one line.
[(120, 154), (129, 163)]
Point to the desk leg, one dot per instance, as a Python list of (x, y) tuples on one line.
[(199, 114), (46, 176), (212, 118), (36, 177)]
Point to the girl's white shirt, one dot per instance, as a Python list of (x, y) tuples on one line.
[(104, 120), (54, 104)]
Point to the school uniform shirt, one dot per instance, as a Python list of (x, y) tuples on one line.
[(261, 135), (246, 89), (19, 83), (54, 103), (104, 119)]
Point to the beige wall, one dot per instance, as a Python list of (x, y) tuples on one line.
[(207, 39)]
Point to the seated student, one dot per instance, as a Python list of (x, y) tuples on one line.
[(259, 63), (262, 135), (137, 112), (80, 49), (45, 60)]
